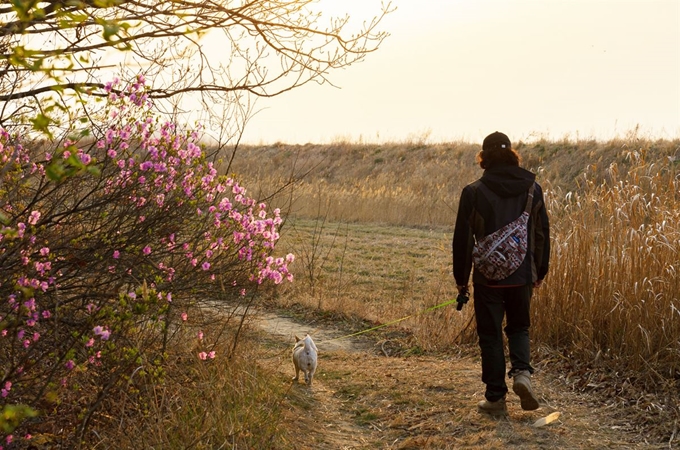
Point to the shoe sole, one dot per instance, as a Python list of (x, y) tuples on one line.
[(527, 399), (499, 412)]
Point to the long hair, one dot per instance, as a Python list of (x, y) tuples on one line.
[(498, 157)]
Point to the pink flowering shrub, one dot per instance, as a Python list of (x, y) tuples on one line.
[(108, 244)]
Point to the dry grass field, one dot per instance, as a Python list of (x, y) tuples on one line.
[(371, 229)]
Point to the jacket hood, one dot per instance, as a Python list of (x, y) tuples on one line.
[(508, 181)]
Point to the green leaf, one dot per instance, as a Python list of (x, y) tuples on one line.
[(93, 170), (106, 3), (41, 122), (74, 161), (11, 416), (23, 8), (55, 171), (111, 29)]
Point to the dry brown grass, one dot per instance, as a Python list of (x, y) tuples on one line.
[(614, 289), (371, 227), (394, 184), (227, 402)]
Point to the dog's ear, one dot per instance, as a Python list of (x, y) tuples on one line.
[(296, 338)]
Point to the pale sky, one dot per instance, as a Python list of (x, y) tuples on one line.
[(461, 69)]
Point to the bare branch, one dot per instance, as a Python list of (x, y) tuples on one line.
[(274, 46)]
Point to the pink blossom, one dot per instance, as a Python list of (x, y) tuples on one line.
[(203, 355), (184, 316), (146, 165), (30, 304), (211, 354), (6, 389), (70, 364), (102, 332), (34, 217), (116, 254), (200, 335), (44, 251), (205, 265), (147, 250)]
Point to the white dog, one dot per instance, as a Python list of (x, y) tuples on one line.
[(305, 358)]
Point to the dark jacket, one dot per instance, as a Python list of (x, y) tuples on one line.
[(496, 199)]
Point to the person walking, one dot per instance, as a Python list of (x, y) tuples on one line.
[(497, 198)]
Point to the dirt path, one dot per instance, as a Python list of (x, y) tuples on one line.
[(363, 398)]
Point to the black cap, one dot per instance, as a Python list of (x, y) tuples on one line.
[(496, 140)]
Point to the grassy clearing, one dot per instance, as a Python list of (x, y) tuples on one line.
[(377, 273)]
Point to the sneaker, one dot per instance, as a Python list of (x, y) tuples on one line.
[(496, 408), (522, 387)]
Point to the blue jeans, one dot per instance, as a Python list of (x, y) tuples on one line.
[(491, 305)]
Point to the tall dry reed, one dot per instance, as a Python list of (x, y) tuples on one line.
[(613, 292)]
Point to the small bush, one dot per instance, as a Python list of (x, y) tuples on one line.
[(109, 244)]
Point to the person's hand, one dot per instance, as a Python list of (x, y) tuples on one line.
[(462, 298), (537, 284)]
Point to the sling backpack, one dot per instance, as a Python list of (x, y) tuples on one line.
[(500, 253)]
